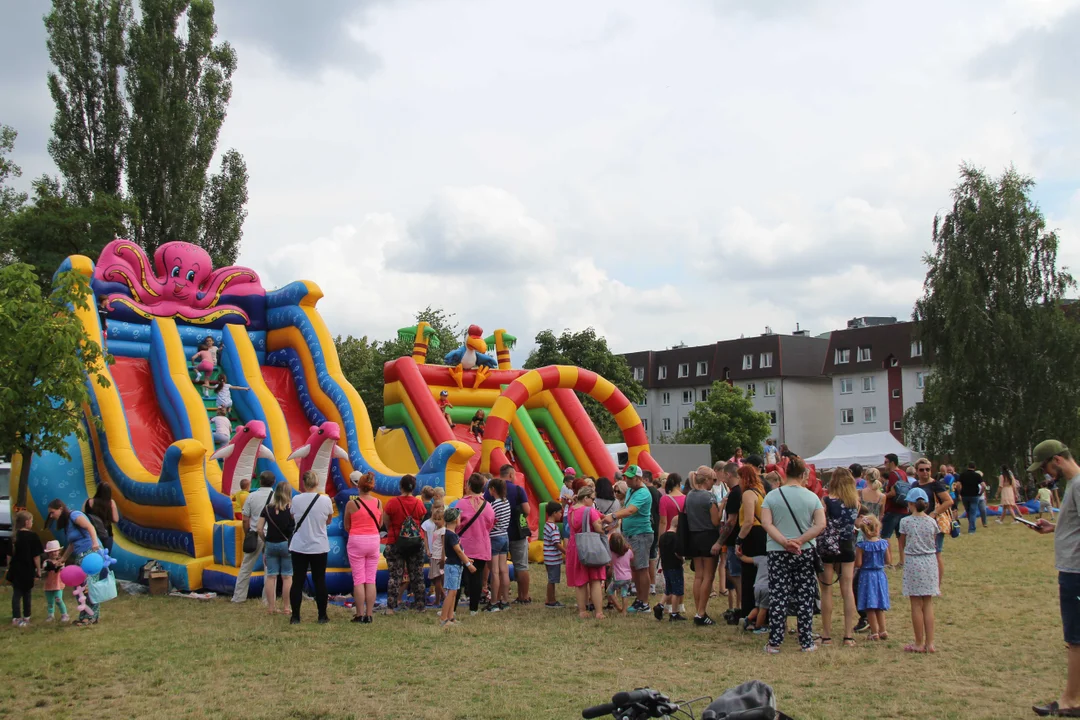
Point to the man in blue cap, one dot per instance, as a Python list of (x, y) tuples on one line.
[(637, 527), (1051, 457)]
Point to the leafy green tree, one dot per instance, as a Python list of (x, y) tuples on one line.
[(10, 199), (86, 46), (1005, 358), (143, 99), (588, 350), (44, 355), (725, 421), (55, 225)]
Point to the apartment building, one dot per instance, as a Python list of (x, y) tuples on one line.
[(877, 368), (781, 373)]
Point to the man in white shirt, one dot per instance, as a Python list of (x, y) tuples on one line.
[(253, 507)]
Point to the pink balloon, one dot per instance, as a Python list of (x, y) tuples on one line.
[(73, 575)]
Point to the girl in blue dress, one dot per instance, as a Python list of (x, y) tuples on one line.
[(872, 554)]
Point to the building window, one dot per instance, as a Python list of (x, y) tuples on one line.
[(896, 393), (765, 360), (898, 425), (916, 348), (843, 356), (687, 397), (772, 417), (747, 362), (687, 423), (644, 400), (667, 424), (868, 384), (665, 398), (684, 369), (704, 394), (661, 374), (770, 388), (702, 368), (639, 374), (846, 385), (864, 354), (751, 389), (893, 362), (920, 380), (645, 424), (847, 416), (869, 414)]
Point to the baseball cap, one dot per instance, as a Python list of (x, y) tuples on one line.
[(891, 457), (632, 471), (917, 494), (1044, 451), (570, 471)]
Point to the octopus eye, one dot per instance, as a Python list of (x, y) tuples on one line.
[(191, 276), (176, 271)]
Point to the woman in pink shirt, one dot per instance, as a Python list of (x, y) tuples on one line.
[(363, 516), (477, 518), (671, 504)]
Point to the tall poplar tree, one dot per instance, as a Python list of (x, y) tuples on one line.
[(1005, 358)]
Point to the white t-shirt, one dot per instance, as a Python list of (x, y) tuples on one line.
[(310, 538), (224, 395), (429, 527), (254, 504), (221, 425)]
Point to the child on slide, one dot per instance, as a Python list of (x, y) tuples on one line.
[(224, 393), (446, 407), (205, 361), (476, 427)]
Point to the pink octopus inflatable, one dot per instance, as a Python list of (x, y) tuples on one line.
[(182, 283)]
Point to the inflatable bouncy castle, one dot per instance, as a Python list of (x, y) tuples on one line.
[(150, 437)]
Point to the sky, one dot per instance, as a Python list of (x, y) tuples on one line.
[(687, 171)]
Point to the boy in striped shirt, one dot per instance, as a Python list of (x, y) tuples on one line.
[(554, 550)]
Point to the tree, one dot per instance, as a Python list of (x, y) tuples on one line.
[(10, 199), (179, 85), (588, 350), (56, 225), (1006, 359), (45, 354), (725, 421), (144, 100), (86, 45)]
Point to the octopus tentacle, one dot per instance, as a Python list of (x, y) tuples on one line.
[(144, 268), (219, 280), (190, 315)]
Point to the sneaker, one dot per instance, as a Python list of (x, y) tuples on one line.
[(770, 650), (492, 608), (294, 621), (519, 601), (636, 607), (323, 620), (652, 589), (763, 630), (812, 648), (658, 611), (676, 617), (503, 606), (555, 604), (862, 626), (358, 619), (65, 618), (728, 614), (473, 612), (49, 619), (703, 620)]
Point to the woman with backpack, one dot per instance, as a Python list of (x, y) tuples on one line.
[(102, 507), (793, 518), (363, 517), (404, 545), (836, 545), (310, 545), (474, 527)]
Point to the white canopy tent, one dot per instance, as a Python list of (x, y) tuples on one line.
[(867, 449)]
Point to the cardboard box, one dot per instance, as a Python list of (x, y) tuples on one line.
[(159, 582)]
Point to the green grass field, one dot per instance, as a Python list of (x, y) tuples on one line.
[(999, 650)]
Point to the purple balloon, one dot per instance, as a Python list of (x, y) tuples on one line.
[(73, 575)]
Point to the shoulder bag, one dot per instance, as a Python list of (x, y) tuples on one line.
[(682, 532), (819, 567), (304, 516), (479, 511), (592, 547), (251, 539)]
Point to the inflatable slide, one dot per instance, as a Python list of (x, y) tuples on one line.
[(148, 433)]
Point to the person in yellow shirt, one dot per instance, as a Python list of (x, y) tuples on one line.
[(240, 496), (1045, 501)]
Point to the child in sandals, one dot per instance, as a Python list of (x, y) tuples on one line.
[(872, 554)]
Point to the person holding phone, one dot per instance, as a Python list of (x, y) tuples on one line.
[(1054, 458)]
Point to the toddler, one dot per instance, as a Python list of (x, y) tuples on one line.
[(872, 554), (240, 496), (221, 427), (24, 566), (674, 585), (755, 619), (920, 569), (454, 561), (554, 550), (621, 555), (435, 535), (1045, 501), (54, 586)]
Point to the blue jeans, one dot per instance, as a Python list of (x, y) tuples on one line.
[(982, 509), (971, 507)]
